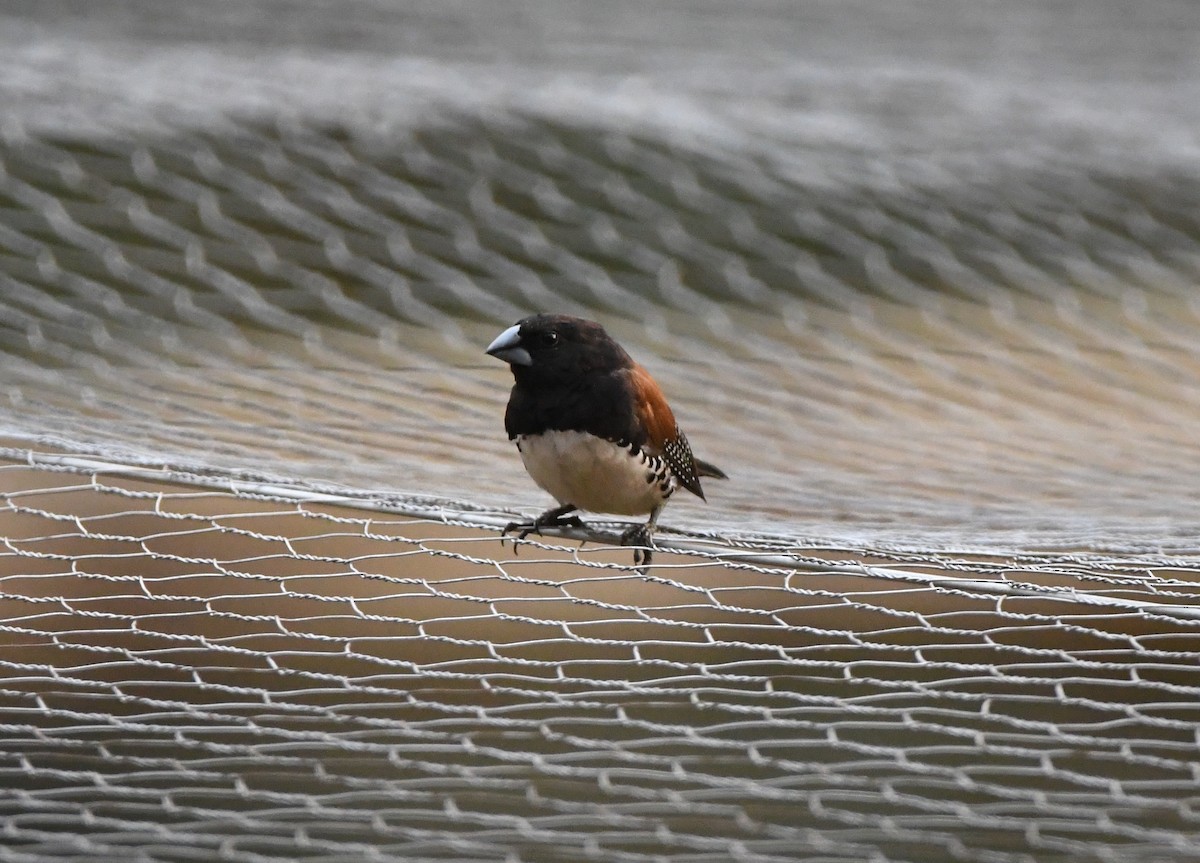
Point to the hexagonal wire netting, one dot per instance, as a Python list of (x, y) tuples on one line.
[(253, 600), (234, 670)]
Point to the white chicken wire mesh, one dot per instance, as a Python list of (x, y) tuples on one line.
[(994, 322), (207, 667), (189, 288)]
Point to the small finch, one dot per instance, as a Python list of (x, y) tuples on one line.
[(593, 428)]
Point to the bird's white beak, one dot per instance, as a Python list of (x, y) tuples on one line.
[(507, 347)]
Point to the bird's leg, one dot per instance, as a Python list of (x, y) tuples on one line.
[(642, 535), (556, 517)]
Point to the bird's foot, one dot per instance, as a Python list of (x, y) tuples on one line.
[(557, 517), (641, 535), (524, 528)]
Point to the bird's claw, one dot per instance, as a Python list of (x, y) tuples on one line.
[(524, 528), (639, 535)]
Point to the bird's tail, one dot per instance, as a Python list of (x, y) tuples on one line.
[(704, 468)]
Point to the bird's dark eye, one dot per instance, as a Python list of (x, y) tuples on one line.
[(548, 340)]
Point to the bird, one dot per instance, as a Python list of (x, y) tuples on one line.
[(593, 428)]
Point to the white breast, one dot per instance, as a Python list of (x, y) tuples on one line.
[(594, 474)]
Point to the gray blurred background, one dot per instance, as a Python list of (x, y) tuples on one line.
[(920, 272)]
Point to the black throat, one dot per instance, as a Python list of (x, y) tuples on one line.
[(596, 403)]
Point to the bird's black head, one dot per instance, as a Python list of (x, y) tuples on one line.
[(551, 349)]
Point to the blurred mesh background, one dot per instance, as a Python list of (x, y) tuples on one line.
[(920, 276)]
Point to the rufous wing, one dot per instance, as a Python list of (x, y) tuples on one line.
[(663, 436)]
